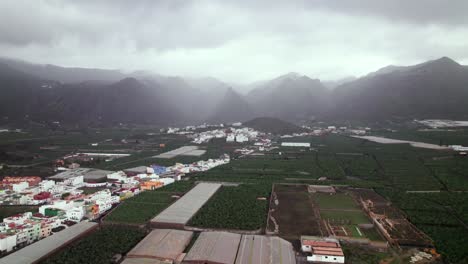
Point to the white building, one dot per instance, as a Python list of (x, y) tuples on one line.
[(17, 219), (74, 181), (322, 250), (60, 204), (295, 144), (458, 148), (75, 214), (230, 138), (7, 242), (241, 138), (46, 185), (19, 187)]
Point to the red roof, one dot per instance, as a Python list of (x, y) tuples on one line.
[(320, 244), (328, 253)]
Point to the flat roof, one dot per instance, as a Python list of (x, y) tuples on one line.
[(214, 247), (176, 152), (188, 205), (87, 173), (144, 261), (141, 169), (42, 248), (162, 244), (264, 249)]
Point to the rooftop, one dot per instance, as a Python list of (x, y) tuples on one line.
[(37, 251), (182, 210), (214, 247), (265, 250), (162, 244)]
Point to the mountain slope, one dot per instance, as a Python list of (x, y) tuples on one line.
[(434, 89), (232, 108), (64, 74), (273, 125), (290, 97)]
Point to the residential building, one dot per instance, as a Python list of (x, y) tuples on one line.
[(322, 249)]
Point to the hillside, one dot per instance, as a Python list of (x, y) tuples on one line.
[(273, 125), (232, 108), (64, 74), (291, 96), (434, 89)]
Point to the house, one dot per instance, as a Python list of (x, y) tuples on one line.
[(75, 214), (230, 138), (19, 187), (241, 138), (46, 185), (7, 242), (322, 249)]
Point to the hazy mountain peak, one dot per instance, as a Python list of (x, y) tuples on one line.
[(128, 82), (443, 62)]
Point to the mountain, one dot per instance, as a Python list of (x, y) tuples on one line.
[(232, 108), (63, 74), (273, 125), (434, 89), (28, 97), (291, 96), (335, 83)]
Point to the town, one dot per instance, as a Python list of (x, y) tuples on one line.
[(305, 204)]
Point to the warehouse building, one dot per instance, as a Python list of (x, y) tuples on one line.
[(265, 250), (214, 248), (165, 245), (179, 213), (40, 250), (295, 144), (88, 174)]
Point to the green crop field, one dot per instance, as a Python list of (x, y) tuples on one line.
[(335, 201), (99, 247), (395, 171), (235, 208), (345, 217)]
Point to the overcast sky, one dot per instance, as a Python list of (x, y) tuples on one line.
[(237, 41)]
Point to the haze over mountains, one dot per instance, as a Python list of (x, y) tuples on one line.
[(434, 89)]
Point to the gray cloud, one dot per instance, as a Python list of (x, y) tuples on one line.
[(238, 40)]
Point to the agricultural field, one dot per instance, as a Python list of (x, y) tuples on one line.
[(141, 208), (443, 216), (292, 213), (242, 207), (341, 214), (395, 171), (450, 136), (99, 247)]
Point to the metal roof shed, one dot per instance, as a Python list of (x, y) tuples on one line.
[(38, 251), (179, 213), (162, 244), (265, 250), (214, 248)]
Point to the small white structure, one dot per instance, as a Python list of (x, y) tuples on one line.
[(295, 144), (7, 242), (19, 187), (76, 213), (230, 138), (46, 185), (322, 250), (458, 148), (241, 138), (74, 181)]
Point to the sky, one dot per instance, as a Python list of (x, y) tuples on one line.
[(237, 41)]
